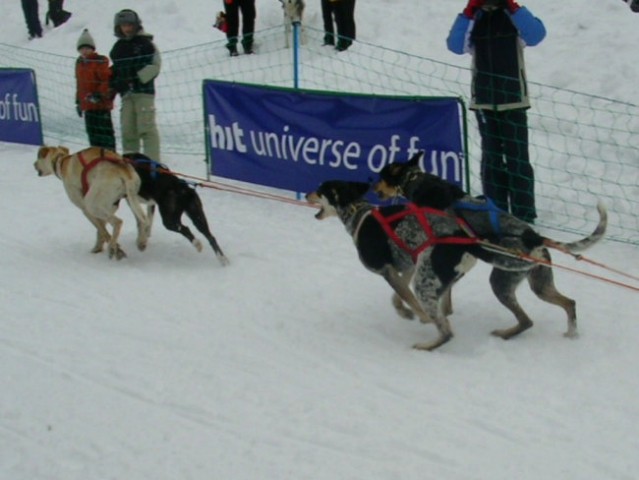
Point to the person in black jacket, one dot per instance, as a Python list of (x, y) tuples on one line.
[(494, 32), (232, 9), (31, 16), (136, 64)]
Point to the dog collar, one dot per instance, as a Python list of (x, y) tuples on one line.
[(357, 228)]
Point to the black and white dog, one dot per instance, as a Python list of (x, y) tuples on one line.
[(174, 197), (388, 239), (384, 256), (501, 229), (293, 13)]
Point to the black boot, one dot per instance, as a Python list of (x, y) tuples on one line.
[(56, 13)]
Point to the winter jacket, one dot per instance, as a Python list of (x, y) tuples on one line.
[(136, 63), (92, 76), (496, 40)]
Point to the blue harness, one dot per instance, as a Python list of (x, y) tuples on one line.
[(488, 206), (153, 166)]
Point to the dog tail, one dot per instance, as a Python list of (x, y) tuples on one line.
[(586, 242), (132, 187)]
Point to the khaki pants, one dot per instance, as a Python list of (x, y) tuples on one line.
[(137, 119)]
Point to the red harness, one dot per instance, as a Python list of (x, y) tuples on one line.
[(431, 237), (87, 167)]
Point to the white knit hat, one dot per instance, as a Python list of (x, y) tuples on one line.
[(86, 40)]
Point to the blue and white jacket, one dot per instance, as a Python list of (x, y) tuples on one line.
[(496, 40)]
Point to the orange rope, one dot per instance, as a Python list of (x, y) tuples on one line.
[(281, 198)]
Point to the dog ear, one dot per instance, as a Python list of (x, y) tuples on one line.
[(414, 160), (43, 151), (64, 151), (359, 189)]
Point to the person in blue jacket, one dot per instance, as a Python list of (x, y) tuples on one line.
[(494, 32)]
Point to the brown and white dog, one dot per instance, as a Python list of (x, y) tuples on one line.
[(293, 13), (96, 180)]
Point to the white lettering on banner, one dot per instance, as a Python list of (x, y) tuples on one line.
[(11, 108), (226, 138), (310, 150), (334, 153)]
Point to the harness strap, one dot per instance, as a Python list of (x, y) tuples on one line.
[(431, 238), (87, 167), (488, 207), (153, 166)]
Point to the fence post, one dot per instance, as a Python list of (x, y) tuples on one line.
[(296, 54)]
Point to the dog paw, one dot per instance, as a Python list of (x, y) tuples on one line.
[(223, 260), (571, 334), (406, 313), (117, 253), (429, 347), (197, 244), (142, 245)]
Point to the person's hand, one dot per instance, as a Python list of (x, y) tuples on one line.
[(512, 6), (472, 7), (94, 98), (78, 110)]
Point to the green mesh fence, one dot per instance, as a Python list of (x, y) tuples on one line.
[(583, 148)]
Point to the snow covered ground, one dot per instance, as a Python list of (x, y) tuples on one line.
[(290, 363)]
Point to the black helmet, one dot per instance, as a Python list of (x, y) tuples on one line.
[(125, 16)]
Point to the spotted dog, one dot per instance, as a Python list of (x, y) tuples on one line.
[(392, 242), (498, 228)]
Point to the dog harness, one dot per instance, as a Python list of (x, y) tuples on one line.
[(154, 167), (87, 167), (431, 238), (489, 207)]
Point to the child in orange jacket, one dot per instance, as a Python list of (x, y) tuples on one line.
[(93, 99)]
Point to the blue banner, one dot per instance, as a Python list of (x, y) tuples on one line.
[(19, 109), (295, 139)]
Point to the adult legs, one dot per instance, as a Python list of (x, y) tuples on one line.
[(521, 181), (248, 24), (233, 26), (137, 118), (345, 20), (327, 17), (32, 18), (494, 177)]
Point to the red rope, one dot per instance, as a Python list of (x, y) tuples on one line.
[(281, 198)]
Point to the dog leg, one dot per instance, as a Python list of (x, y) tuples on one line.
[(150, 214), (430, 290), (401, 309), (400, 286), (195, 212), (102, 234), (287, 32), (114, 248), (504, 284), (541, 280)]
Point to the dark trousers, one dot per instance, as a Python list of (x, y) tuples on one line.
[(345, 19), (327, 16), (100, 128), (247, 8), (506, 173), (30, 9)]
